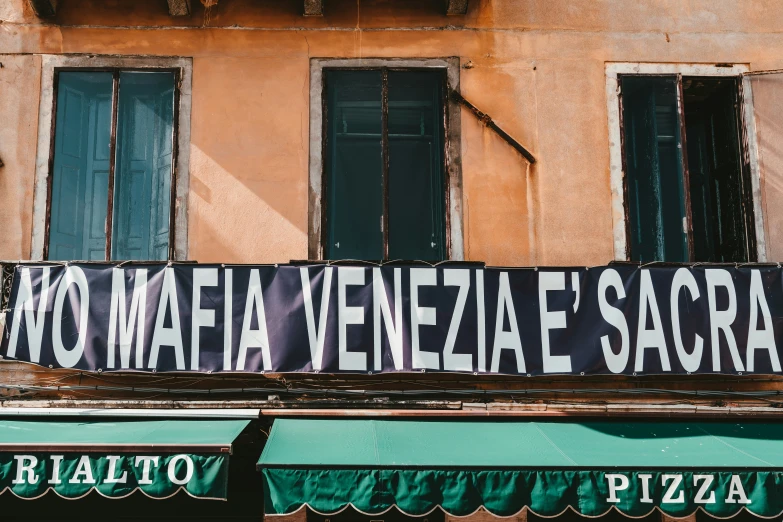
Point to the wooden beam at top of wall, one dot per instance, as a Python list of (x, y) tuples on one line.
[(313, 7), (43, 8), (179, 7), (456, 7), (316, 7)]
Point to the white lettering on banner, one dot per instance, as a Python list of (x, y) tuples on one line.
[(171, 337), (617, 483), (228, 317), (68, 358), (349, 276), (668, 497), (400, 341), (25, 466), (254, 337), (481, 337), (649, 338), (706, 482), (316, 334), (172, 470), (146, 463), (83, 468), (645, 478), (201, 317), (551, 281), (127, 323), (457, 362), (721, 320), (760, 339), (112, 477), (34, 325), (689, 361), (381, 308), (56, 460), (575, 287), (506, 340), (616, 362), (736, 494), (422, 315)]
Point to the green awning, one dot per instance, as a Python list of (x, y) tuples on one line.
[(547, 467), (116, 458)]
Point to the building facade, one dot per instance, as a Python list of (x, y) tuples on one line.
[(462, 133)]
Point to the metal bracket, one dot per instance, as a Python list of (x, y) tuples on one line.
[(313, 7), (179, 7), (456, 7)]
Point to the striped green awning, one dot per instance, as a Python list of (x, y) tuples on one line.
[(116, 457), (547, 467)]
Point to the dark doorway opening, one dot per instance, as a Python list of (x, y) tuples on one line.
[(715, 168)]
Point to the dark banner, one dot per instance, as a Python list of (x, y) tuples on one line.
[(349, 319)]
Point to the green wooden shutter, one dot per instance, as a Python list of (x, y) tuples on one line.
[(417, 228), (654, 169), (355, 172), (142, 182), (354, 165), (80, 177)]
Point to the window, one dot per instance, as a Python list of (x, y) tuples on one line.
[(687, 177), (112, 165), (384, 164)]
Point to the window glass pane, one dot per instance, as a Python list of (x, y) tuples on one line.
[(142, 181), (353, 165), (80, 177), (715, 170), (416, 189), (653, 156)]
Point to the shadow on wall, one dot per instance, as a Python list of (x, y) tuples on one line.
[(232, 220), (498, 184), (249, 159), (19, 88), (768, 111)]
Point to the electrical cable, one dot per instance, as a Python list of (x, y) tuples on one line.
[(331, 392)]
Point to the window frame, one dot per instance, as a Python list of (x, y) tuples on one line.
[(746, 125), (452, 173), (52, 66)]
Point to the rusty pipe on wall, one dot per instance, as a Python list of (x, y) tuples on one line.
[(486, 120)]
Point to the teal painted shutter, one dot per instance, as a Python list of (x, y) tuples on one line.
[(80, 177), (354, 165), (654, 169), (142, 182), (417, 228)]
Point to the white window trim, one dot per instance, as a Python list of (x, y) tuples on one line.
[(453, 144), (617, 175), (46, 123)]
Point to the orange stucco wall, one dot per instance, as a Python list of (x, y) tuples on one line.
[(536, 66)]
